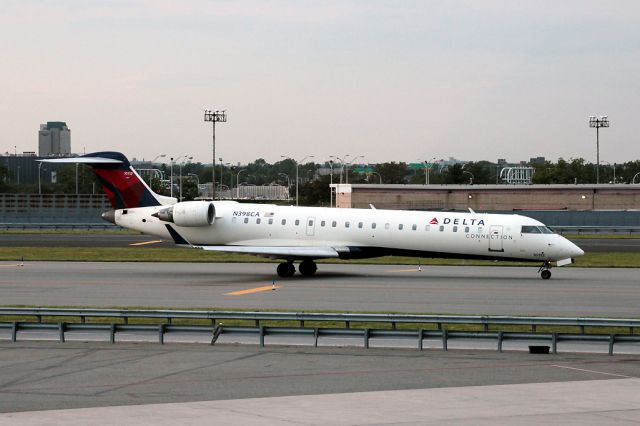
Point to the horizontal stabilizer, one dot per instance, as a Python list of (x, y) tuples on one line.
[(82, 160)]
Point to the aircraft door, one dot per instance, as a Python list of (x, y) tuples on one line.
[(311, 226), (495, 238)]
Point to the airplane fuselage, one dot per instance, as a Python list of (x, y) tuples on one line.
[(361, 233)]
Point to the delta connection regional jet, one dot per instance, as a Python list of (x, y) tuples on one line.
[(305, 234)]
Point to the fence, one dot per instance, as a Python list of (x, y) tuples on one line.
[(215, 329)]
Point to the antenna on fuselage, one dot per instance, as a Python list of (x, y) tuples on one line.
[(471, 210)]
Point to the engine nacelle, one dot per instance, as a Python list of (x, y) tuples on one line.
[(189, 213)]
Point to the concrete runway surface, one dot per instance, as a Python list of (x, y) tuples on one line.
[(585, 292), (189, 384)]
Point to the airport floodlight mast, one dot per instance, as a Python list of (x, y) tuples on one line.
[(214, 117), (597, 122)]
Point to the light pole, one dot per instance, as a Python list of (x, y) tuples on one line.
[(221, 172), (346, 172), (331, 183), (341, 164), (180, 168), (297, 164), (378, 174), (158, 156), (238, 184), (39, 183), (427, 169), (171, 179), (597, 122), (214, 117)]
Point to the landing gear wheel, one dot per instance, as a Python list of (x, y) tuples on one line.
[(286, 269), (546, 274), (307, 268)]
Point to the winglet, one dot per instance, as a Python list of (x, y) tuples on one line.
[(177, 238)]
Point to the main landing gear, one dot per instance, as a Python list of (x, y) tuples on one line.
[(545, 271), (306, 268)]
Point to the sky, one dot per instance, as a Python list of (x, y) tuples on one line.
[(386, 80)]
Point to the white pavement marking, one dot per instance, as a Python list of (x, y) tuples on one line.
[(593, 371), (602, 402)]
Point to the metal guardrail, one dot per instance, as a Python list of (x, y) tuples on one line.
[(419, 334), (596, 229)]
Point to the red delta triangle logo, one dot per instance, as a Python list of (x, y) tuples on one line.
[(434, 221)]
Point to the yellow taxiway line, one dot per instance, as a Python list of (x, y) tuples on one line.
[(252, 290), (145, 242), (405, 270)]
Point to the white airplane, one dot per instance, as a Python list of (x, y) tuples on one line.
[(308, 233)]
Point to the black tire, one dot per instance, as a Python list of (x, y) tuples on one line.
[(285, 269), (307, 268), (546, 274)]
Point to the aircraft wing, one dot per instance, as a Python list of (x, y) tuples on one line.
[(315, 252), (278, 252)]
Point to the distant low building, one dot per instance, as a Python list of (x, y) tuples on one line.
[(54, 139)]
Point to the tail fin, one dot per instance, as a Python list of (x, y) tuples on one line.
[(121, 183)]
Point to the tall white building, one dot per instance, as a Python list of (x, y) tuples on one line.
[(54, 139)]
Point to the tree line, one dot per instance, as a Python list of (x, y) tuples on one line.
[(314, 178)]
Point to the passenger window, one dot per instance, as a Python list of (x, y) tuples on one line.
[(400, 226), (297, 222), (441, 228), (284, 221), (246, 220), (257, 220), (310, 222), (322, 223), (234, 219), (479, 229), (455, 228), (414, 227), (466, 229), (271, 221), (333, 224), (346, 224), (373, 225), (360, 225)]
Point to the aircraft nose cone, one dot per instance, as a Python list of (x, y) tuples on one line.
[(575, 250), (109, 216)]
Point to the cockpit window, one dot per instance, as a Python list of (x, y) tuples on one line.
[(537, 230), (530, 230)]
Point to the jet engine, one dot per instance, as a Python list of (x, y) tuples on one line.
[(189, 213)]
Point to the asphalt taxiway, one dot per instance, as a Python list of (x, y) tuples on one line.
[(572, 292), (396, 385)]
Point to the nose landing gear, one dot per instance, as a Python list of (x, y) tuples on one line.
[(544, 270)]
